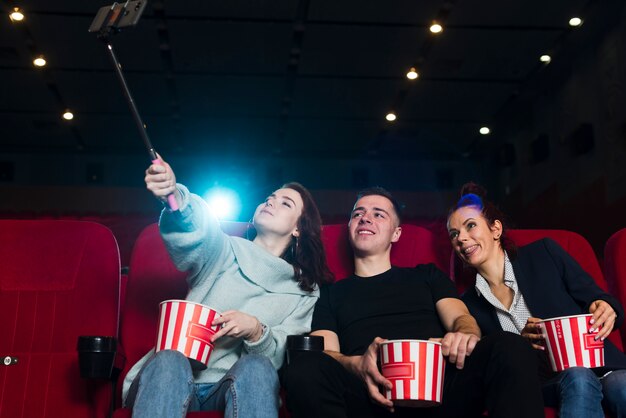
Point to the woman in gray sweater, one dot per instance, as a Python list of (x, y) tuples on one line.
[(265, 289)]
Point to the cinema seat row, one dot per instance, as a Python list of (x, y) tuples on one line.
[(60, 279)]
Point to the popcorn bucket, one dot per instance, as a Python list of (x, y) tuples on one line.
[(570, 344), (186, 327), (415, 369)]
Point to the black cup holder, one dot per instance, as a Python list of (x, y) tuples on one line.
[(96, 355), (297, 344)]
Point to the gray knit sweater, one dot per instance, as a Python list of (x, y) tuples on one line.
[(232, 273)]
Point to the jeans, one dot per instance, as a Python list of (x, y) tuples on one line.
[(614, 389), (580, 393), (165, 388)]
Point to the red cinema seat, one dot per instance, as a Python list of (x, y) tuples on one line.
[(58, 280), (615, 269), (152, 278)]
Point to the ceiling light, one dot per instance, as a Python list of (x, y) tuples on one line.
[(390, 116), (68, 115), (40, 61), (575, 21), (484, 130), (436, 28), (545, 59), (412, 74), (16, 15)]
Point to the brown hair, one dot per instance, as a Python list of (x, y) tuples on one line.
[(306, 252)]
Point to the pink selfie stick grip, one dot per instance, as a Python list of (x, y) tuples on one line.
[(171, 198)]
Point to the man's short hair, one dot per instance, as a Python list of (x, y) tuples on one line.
[(380, 191)]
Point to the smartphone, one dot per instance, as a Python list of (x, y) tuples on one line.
[(118, 15)]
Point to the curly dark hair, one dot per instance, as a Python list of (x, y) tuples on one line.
[(475, 195), (306, 252)]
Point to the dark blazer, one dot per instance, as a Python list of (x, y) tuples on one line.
[(553, 284)]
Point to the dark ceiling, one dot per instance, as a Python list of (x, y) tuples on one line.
[(279, 77)]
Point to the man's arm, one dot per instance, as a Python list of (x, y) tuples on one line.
[(332, 348), (364, 366), (463, 331), (331, 339)]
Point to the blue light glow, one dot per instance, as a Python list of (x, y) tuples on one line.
[(224, 203)]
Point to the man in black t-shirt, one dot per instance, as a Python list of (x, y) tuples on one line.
[(355, 310), (403, 303)]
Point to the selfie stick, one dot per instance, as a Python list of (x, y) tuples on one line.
[(106, 26)]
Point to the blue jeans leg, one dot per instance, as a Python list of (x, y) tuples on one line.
[(164, 387), (614, 388), (248, 390), (579, 392)]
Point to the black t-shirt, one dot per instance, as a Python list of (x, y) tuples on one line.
[(397, 304)]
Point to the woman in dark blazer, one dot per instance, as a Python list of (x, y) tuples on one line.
[(516, 287)]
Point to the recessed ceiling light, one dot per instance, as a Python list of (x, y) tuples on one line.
[(484, 130), (412, 74), (68, 115), (575, 21), (390, 116), (436, 28), (40, 61), (16, 15), (545, 59)]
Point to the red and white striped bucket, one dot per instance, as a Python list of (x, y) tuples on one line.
[(570, 344), (415, 369), (186, 327)]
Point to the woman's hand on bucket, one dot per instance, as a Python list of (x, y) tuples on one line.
[(238, 325), (604, 317), (532, 333)]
